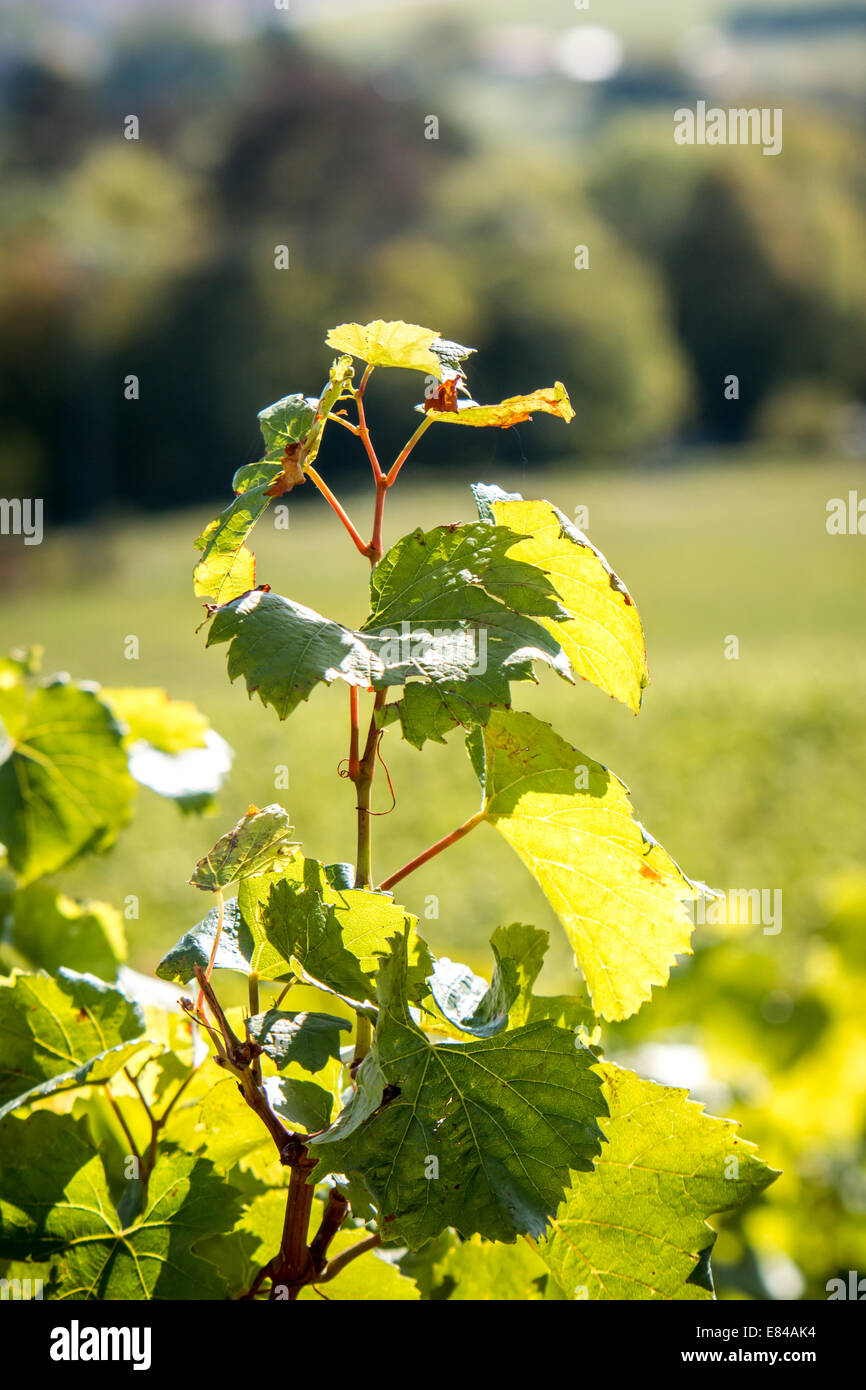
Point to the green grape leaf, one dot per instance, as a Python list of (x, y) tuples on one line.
[(601, 634), (552, 400), (232, 953), (284, 650), (367, 1097), (431, 711), (467, 1001), (171, 726), (455, 580), (521, 950), (470, 1004), (637, 1227), (286, 422), (258, 841), (299, 1102), (479, 1271), (14, 695), (50, 1028), (251, 476), (478, 1135), (55, 1206), (53, 930), (96, 1071), (336, 935), (425, 576), (292, 430), (226, 1129), (448, 607), (253, 892), (64, 785), (227, 567), (619, 895), (240, 1253), (307, 1039), (389, 344)]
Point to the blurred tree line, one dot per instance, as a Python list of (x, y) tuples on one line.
[(155, 259)]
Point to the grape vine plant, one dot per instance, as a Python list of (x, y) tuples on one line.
[(376, 1122)]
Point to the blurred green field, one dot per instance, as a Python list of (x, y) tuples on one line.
[(748, 771)]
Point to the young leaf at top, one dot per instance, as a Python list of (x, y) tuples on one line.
[(227, 567), (61, 1034), (551, 400), (505, 1118), (258, 841), (55, 1205), (619, 895), (637, 1228), (389, 344), (601, 633), (64, 784)]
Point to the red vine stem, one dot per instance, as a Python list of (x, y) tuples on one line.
[(363, 430), (213, 950), (431, 853), (363, 785), (354, 719), (375, 548), (341, 513), (407, 449), (347, 424)]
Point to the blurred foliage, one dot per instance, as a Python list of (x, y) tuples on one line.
[(765, 261), (155, 257)]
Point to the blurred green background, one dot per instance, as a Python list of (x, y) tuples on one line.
[(261, 127)]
